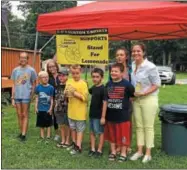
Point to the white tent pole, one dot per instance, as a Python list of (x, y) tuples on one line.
[(47, 42), (35, 49)]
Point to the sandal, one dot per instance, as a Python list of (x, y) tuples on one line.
[(112, 157), (66, 145), (60, 145), (118, 153), (122, 158)]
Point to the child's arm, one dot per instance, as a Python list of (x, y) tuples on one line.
[(51, 106), (51, 100), (36, 105), (33, 82), (103, 113), (104, 109), (78, 96), (130, 90), (13, 95), (36, 102), (83, 94), (13, 78)]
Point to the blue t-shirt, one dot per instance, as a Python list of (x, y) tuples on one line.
[(44, 96), (23, 79)]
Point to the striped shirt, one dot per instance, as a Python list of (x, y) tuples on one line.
[(146, 75)]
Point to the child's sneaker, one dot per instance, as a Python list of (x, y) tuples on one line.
[(41, 139), (47, 140), (66, 145), (23, 138), (70, 147), (56, 138), (98, 154), (75, 150), (19, 136), (91, 153), (60, 145)]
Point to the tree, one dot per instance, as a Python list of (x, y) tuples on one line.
[(14, 26), (31, 10), (5, 11)]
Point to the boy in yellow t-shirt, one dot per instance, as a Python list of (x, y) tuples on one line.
[(77, 93)]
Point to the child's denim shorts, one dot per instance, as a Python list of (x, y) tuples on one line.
[(96, 127), (26, 101)]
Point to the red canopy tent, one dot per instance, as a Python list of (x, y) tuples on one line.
[(125, 20)]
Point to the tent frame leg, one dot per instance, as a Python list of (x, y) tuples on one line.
[(35, 49), (47, 43), (86, 72)]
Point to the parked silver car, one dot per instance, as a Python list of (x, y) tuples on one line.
[(167, 76)]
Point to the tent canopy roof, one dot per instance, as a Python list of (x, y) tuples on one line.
[(125, 20)]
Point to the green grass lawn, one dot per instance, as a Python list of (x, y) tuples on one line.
[(181, 75), (41, 156)]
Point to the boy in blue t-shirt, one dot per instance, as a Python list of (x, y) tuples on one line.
[(44, 104)]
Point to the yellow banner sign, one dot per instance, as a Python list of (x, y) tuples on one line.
[(85, 47)]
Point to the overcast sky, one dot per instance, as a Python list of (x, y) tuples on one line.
[(17, 12)]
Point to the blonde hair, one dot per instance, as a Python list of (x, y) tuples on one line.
[(26, 54), (42, 73), (75, 66)]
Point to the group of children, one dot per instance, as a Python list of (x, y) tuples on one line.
[(109, 115)]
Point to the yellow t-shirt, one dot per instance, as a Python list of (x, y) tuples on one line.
[(77, 109)]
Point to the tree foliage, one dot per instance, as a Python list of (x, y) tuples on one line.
[(23, 32), (31, 10)]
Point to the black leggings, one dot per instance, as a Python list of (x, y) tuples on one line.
[(54, 122)]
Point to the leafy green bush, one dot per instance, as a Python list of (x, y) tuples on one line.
[(5, 100)]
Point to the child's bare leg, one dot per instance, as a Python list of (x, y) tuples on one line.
[(48, 132), (123, 151), (42, 132), (62, 129), (25, 108), (92, 141), (101, 142), (113, 148), (79, 139), (67, 130), (118, 149), (19, 114), (73, 135)]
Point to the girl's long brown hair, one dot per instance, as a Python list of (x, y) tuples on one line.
[(56, 65)]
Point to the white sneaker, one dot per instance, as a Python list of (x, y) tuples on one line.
[(136, 156), (56, 138), (146, 159)]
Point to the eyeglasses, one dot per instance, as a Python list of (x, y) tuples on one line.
[(44, 77), (51, 66)]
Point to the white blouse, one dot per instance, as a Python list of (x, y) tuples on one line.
[(145, 76)]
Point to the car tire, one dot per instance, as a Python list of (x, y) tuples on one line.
[(173, 80)]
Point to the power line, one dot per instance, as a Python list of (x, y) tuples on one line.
[(24, 33)]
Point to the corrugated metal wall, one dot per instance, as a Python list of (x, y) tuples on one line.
[(10, 60)]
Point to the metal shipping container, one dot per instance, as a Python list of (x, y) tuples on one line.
[(10, 60)]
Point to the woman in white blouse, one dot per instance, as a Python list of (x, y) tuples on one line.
[(147, 81)]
